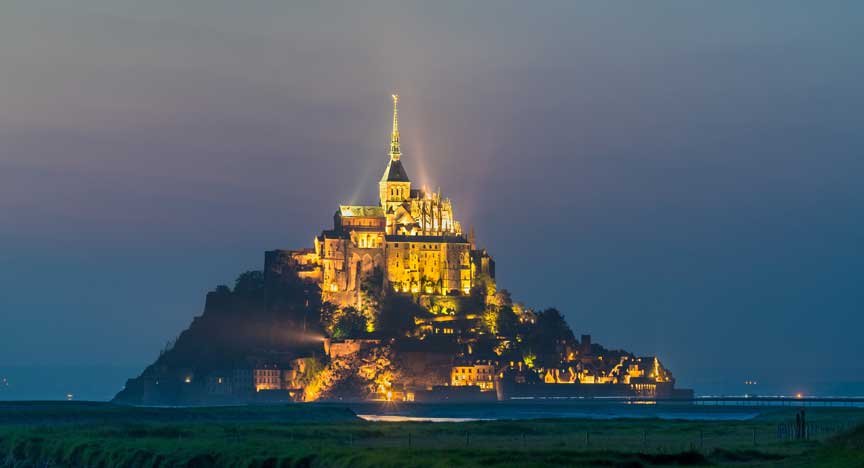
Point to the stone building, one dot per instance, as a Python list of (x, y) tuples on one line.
[(482, 375), (411, 235)]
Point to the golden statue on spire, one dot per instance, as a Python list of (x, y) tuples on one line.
[(395, 150)]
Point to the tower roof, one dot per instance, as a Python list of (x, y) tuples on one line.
[(395, 172)]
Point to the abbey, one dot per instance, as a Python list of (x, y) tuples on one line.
[(411, 235), (395, 302)]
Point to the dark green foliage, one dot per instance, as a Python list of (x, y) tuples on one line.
[(507, 322), (547, 337), (502, 298), (552, 325), (312, 368), (327, 316), (349, 324), (372, 288), (249, 282), (396, 317), (483, 285)]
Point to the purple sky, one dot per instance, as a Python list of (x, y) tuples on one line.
[(679, 178)]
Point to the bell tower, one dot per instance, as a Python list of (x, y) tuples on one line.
[(394, 187)]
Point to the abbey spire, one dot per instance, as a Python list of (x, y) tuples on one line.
[(394, 187), (395, 151)]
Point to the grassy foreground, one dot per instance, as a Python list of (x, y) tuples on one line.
[(84, 435)]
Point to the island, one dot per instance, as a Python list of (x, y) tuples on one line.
[(396, 302)]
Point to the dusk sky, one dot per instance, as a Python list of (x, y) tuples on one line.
[(679, 178)]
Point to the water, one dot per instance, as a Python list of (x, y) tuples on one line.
[(83, 383), (392, 418), (456, 412)]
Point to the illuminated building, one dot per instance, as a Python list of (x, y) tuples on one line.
[(465, 341), (480, 375), (411, 235)]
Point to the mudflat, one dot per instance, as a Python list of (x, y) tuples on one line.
[(101, 434)]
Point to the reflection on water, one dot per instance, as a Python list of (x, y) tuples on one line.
[(455, 412), (396, 418)]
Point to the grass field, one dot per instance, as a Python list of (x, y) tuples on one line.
[(84, 435)]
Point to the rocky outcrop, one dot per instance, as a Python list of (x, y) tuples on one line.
[(262, 313)]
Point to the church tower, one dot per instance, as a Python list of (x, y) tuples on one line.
[(394, 188)]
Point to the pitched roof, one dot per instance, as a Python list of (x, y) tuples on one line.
[(395, 172), (361, 211), (444, 239)]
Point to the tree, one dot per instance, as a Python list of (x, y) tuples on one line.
[(249, 282), (500, 298), (397, 315), (350, 323), (372, 285), (529, 357), (312, 366), (372, 292), (327, 314), (507, 322), (552, 325), (484, 285), (489, 322), (546, 336)]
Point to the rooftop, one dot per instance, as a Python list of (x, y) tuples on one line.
[(361, 211), (395, 172), (450, 239)]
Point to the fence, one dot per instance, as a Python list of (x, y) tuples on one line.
[(808, 431)]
